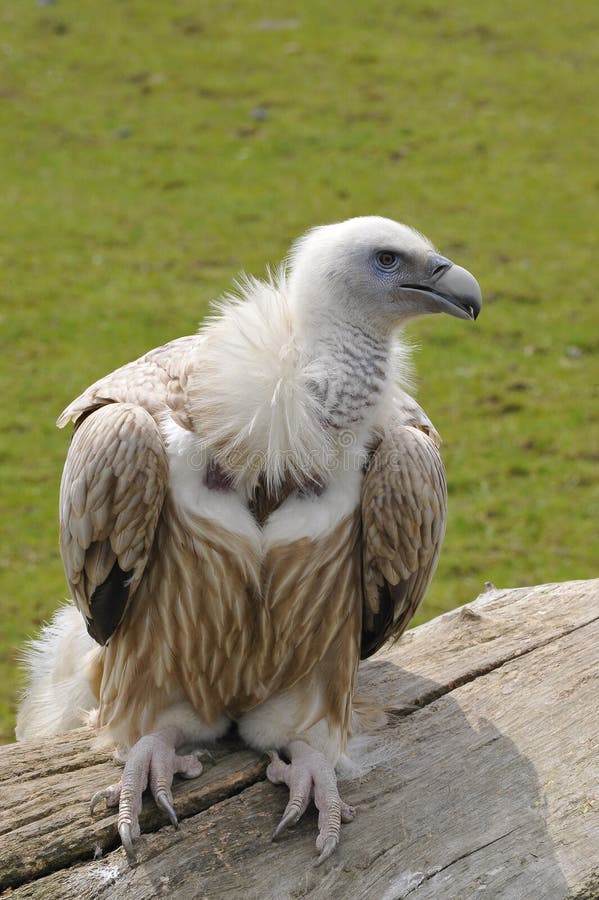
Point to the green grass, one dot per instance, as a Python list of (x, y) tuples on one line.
[(137, 179)]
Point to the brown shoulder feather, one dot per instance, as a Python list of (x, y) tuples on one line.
[(156, 381)]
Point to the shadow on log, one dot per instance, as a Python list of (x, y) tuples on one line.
[(484, 783)]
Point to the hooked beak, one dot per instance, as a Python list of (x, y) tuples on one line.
[(450, 289)]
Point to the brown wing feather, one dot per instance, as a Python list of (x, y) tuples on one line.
[(404, 505), (111, 494)]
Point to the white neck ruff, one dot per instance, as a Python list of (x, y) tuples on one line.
[(253, 392)]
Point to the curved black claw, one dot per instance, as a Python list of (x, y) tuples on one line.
[(290, 818), (99, 795), (127, 842), (328, 849), (166, 803), (110, 794)]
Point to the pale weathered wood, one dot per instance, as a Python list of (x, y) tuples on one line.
[(484, 783), (51, 811)]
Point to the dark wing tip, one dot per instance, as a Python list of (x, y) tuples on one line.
[(107, 604), (396, 609), (379, 625)]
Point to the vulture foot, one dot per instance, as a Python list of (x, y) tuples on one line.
[(152, 759), (310, 776)]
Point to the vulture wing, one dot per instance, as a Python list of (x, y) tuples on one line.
[(404, 505), (111, 495)]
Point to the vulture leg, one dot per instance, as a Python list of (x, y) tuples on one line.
[(310, 776), (152, 759)]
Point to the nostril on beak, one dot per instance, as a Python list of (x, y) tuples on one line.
[(441, 264)]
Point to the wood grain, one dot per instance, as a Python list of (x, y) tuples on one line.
[(484, 782)]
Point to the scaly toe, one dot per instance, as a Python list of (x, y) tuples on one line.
[(189, 766), (348, 813), (277, 771)]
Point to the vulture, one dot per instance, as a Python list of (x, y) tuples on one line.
[(245, 514)]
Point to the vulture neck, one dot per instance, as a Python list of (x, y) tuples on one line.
[(351, 362), (276, 395)]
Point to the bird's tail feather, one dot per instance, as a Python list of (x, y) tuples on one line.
[(59, 694)]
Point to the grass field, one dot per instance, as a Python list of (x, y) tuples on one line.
[(149, 151)]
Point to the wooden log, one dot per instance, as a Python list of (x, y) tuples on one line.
[(484, 782)]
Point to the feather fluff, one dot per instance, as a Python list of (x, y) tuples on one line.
[(58, 693), (250, 394), (253, 394)]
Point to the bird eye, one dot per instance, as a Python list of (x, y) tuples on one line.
[(387, 260)]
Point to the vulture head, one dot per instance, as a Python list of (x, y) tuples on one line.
[(377, 272), (291, 361)]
